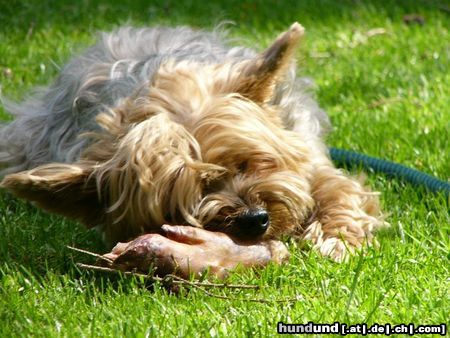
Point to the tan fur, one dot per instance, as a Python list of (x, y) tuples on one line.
[(204, 144)]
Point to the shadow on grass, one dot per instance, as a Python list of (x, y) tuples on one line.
[(37, 242), (25, 16), (33, 249)]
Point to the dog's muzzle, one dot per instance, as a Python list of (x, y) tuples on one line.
[(253, 222)]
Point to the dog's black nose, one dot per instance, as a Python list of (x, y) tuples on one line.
[(253, 222)]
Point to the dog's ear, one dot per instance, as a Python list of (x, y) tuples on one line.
[(258, 77), (61, 188)]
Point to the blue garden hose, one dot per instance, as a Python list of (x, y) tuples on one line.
[(351, 159)]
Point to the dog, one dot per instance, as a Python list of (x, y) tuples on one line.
[(155, 126)]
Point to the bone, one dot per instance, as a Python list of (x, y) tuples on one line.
[(189, 251)]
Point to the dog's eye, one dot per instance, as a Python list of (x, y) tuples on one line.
[(243, 166), (213, 186)]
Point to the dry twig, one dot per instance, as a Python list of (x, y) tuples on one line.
[(90, 254), (176, 280), (172, 278)]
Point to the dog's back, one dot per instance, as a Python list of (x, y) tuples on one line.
[(48, 125)]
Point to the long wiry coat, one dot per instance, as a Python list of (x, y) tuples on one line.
[(72, 133)]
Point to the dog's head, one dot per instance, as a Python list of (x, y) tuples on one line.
[(205, 146)]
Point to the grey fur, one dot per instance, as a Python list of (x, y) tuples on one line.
[(48, 125)]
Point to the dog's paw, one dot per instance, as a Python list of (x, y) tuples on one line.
[(336, 249), (186, 251)]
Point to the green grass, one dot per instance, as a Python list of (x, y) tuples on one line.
[(387, 96)]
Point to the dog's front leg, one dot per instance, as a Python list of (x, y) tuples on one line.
[(187, 251), (346, 213)]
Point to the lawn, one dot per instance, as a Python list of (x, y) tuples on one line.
[(385, 84)]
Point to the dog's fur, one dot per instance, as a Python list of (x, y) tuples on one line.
[(170, 125)]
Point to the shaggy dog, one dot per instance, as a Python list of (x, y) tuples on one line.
[(159, 126)]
